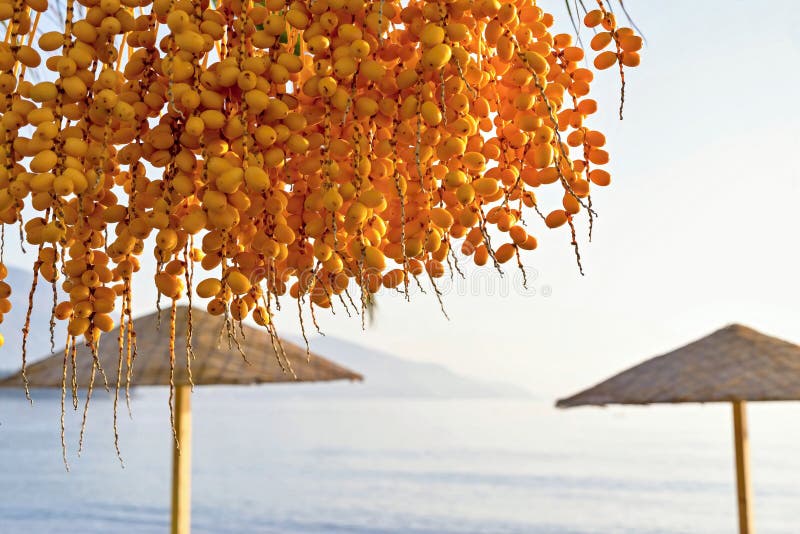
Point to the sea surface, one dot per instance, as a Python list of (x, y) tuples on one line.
[(268, 460)]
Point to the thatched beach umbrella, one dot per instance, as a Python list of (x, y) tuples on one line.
[(216, 362), (735, 364)]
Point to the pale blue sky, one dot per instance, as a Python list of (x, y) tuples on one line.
[(697, 230)]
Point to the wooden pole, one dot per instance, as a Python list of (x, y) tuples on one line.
[(743, 489), (182, 462)]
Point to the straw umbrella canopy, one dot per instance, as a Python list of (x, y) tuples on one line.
[(735, 364), (217, 362)]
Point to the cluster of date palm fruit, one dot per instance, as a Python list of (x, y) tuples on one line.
[(295, 147)]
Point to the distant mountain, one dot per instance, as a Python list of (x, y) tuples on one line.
[(13, 321), (388, 375)]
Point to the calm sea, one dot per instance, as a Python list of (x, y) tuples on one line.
[(269, 461)]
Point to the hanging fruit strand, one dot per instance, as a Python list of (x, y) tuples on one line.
[(626, 43), (280, 350), (118, 382), (575, 244), (173, 309), (130, 356), (189, 274), (63, 407), (26, 328), (73, 350), (54, 305), (85, 415)]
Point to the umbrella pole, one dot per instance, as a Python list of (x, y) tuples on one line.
[(743, 489), (182, 462)]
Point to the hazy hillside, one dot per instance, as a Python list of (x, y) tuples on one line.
[(388, 375)]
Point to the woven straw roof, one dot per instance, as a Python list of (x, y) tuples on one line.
[(214, 363), (734, 363)]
